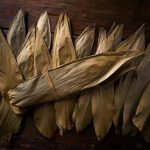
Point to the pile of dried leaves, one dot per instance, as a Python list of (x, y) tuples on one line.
[(67, 87)]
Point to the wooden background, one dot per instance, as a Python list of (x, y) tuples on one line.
[(132, 13)]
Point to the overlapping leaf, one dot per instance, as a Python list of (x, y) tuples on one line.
[(71, 78), (10, 76), (17, 33), (134, 42), (63, 52), (82, 112), (103, 97), (43, 25), (44, 115)]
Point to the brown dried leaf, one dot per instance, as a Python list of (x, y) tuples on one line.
[(137, 86), (84, 42), (43, 25), (128, 43), (17, 32), (133, 43), (63, 52), (70, 78), (103, 97), (44, 115), (142, 116), (82, 112), (25, 59), (10, 76)]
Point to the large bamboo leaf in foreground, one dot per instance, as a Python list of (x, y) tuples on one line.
[(70, 78)]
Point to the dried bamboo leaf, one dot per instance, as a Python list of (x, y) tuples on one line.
[(10, 76), (113, 26), (25, 59), (142, 117), (106, 41), (134, 43), (62, 41), (138, 84), (82, 112), (102, 109), (82, 115), (43, 115), (103, 97), (43, 25), (84, 42), (127, 44), (17, 32), (63, 52), (70, 78)]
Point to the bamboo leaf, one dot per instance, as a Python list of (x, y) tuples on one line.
[(127, 44), (43, 115), (138, 84), (63, 52), (84, 42), (17, 32), (10, 76), (134, 43), (43, 25), (82, 112), (70, 78), (26, 58), (103, 97), (142, 116)]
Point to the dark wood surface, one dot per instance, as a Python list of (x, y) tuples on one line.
[(132, 13)]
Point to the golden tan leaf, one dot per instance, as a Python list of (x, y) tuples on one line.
[(43, 115), (103, 97), (82, 112), (63, 52), (10, 76), (134, 43), (17, 32), (43, 25), (70, 78)]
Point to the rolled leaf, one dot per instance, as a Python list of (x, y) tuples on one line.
[(10, 76), (63, 52), (70, 78), (17, 32), (82, 112)]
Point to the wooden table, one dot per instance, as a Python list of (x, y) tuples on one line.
[(103, 13)]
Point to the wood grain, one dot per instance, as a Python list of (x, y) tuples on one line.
[(132, 13)]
